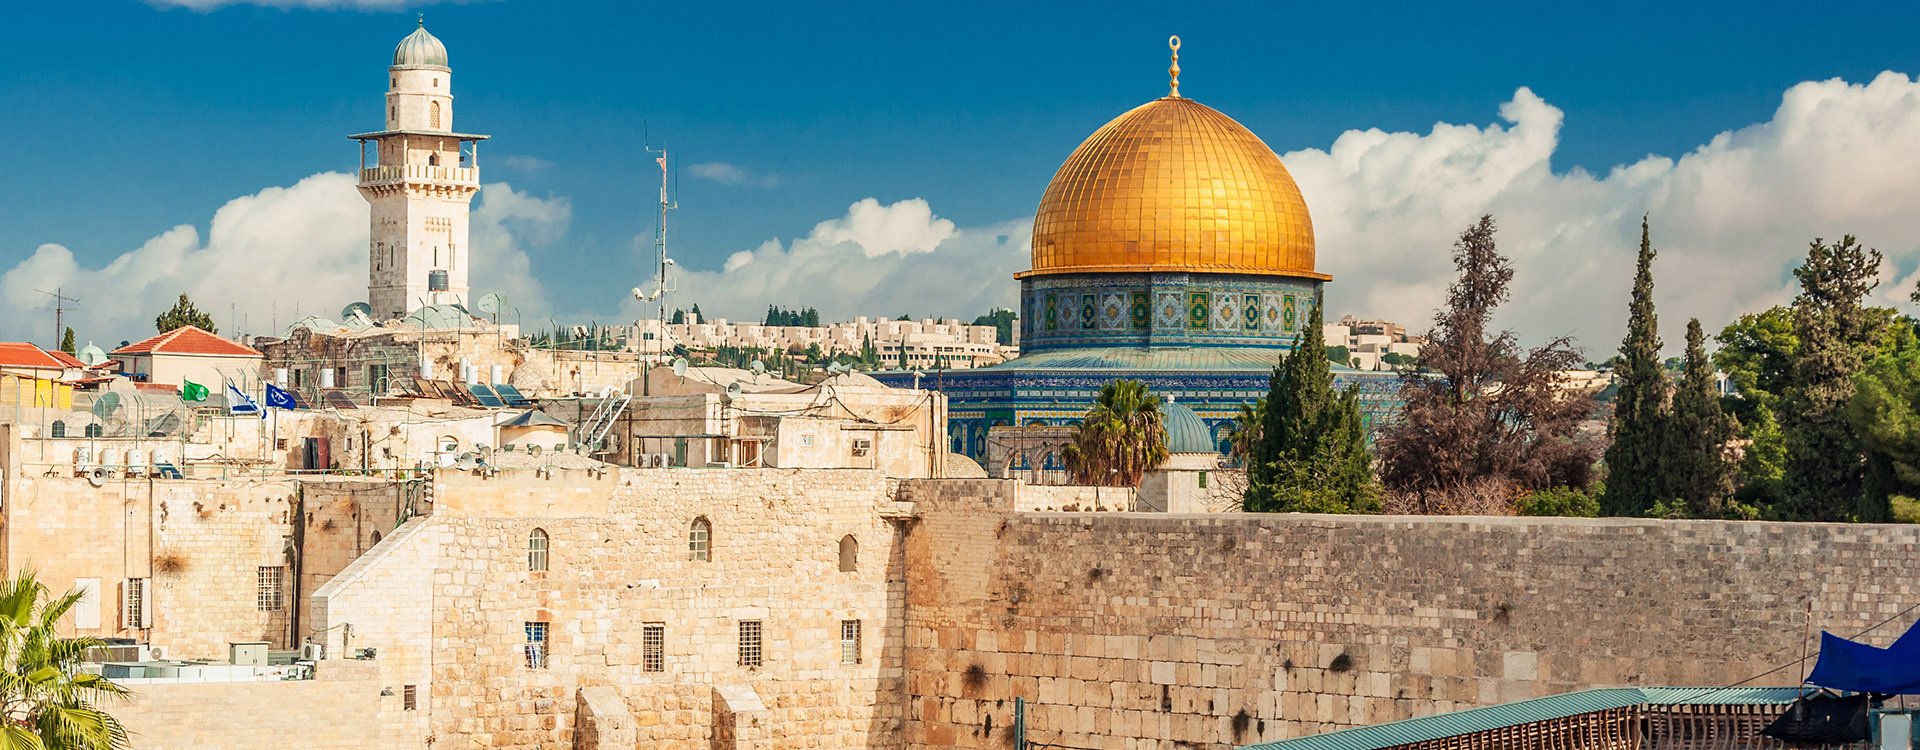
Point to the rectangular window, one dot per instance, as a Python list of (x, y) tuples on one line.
[(536, 645), (377, 378), (750, 655), (339, 377), (1203, 480), (136, 609), (409, 698), (849, 641), (268, 587), (653, 647)]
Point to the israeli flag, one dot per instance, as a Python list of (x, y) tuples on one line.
[(280, 398), (239, 403)]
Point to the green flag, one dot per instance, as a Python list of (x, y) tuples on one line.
[(191, 391)]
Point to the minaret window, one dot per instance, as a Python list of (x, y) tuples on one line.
[(433, 160), (393, 114), (433, 115)]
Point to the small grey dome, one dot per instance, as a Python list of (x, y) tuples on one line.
[(420, 48), (1186, 433)]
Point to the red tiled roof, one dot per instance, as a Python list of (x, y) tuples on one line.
[(67, 360), (187, 340), (22, 354)]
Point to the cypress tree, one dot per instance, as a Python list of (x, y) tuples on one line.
[(67, 343), (1700, 473), (1825, 458), (1635, 476), (1311, 452)]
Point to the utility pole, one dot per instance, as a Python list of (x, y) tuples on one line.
[(60, 300)]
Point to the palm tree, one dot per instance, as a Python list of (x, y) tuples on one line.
[(1122, 436), (1246, 428), (46, 702)]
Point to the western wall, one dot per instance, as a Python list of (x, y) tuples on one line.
[(1120, 630)]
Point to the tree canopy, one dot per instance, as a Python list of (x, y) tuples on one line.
[(1310, 453), (47, 701), (1490, 417), (184, 314), (1120, 438)]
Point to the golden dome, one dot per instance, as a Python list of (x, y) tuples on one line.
[(1173, 185)]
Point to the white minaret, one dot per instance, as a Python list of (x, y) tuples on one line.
[(420, 183)]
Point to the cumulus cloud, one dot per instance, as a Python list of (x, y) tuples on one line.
[(274, 256), (877, 260), (1730, 218), (730, 174)]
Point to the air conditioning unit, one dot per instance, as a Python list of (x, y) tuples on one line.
[(157, 653), (662, 460), (136, 652), (313, 651)]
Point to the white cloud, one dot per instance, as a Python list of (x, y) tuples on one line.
[(528, 165), (877, 260), (277, 255), (730, 174), (1730, 218)]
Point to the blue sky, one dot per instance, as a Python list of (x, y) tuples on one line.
[(123, 120)]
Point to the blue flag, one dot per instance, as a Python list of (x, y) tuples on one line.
[(279, 398), (239, 403)]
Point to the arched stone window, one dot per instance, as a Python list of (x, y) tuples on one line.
[(433, 114), (59, 429), (537, 550), (376, 537), (849, 554), (93, 429), (700, 540)]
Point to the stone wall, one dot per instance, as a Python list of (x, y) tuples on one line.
[(343, 708), (201, 545), (453, 593), (1208, 631)]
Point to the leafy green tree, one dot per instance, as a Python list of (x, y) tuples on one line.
[(1399, 361), (1311, 452), (679, 317), (1003, 321), (47, 701), (1338, 355), (1756, 353), (66, 342), (1636, 467), (1697, 468), (869, 356), (1560, 501), (184, 314), (1825, 460), (1122, 437)]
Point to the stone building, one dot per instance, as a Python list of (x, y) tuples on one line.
[(420, 182)]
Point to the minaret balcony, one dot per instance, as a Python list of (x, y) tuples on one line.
[(420, 173)]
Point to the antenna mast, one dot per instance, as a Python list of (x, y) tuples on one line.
[(661, 286), (60, 300)]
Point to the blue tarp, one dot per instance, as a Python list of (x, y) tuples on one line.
[(1850, 665)]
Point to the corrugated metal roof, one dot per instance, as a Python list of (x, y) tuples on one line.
[(1472, 720)]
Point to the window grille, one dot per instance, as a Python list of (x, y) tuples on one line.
[(653, 647), (849, 641), (536, 645), (136, 611), (409, 697), (537, 550), (750, 654), (700, 541), (268, 588)]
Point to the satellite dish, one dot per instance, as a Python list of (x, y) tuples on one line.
[(533, 450), (759, 367), (106, 405), (680, 366), (466, 461), (733, 390), (836, 368), (358, 311), (92, 355), (492, 303)]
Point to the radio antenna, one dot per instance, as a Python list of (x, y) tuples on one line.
[(60, 308)]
